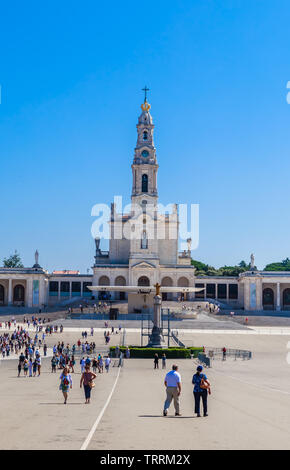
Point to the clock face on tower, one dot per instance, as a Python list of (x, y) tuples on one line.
[(145, 153)]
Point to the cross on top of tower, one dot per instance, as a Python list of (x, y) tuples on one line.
[(145, 106), (145, 91)]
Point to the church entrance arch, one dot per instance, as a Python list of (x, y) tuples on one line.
[(167, 282), (268, 299), (143, 281), (183, 282), (120, 281), (286, 299), (19, 295), (104, 281)]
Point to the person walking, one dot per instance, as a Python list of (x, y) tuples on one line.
[(156, 361), (19, 367), (34, 367), (95, 365), (200, 390), (72, 363), (65, 383), (163, 361), (172, 383), (38, 360), (101, 363), (25, 367), (224, 353), (87, 380), (30, 364), (53, 364), (82, 364), (107, 363)]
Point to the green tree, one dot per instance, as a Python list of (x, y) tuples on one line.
[(13, 261), (243, 264), (284, 265), (207, 270)]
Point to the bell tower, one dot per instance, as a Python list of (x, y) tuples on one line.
[(145, 165)]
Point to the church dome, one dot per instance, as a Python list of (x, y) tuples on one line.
[(145, 118)]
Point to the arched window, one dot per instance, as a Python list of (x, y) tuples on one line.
[(120, 281), (143, 281), (19, 293), (104, 281), (286, 298), (183, 282), (144, 206), (144, 240), (145, 135), (167, 282), (268, 298), (2, 294), (144, 183)]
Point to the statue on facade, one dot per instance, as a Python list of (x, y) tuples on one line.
[(144, 243), (36, 258), (97, 242), (157, 288), (252, 261)]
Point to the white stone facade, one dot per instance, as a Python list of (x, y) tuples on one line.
[(144, 259)]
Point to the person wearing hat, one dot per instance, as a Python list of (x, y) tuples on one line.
[(200, 390)]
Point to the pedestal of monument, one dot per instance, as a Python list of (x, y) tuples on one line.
[(156, 338)]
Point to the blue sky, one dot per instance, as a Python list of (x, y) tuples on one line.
[(71, 76)]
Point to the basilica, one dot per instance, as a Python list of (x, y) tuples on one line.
[(143, 251)]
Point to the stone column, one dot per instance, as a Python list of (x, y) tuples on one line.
[(227, 292), (10, 292), (156, 339), (58, 291), (70, 290), (29, 288), (259, 294), (247, 295), (278, 301)]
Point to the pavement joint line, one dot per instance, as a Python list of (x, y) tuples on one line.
[(96, 423), (270, 389)]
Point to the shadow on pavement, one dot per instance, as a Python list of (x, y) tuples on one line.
[(61, 403), (161, 416)]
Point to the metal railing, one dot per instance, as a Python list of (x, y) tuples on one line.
[(174, 335), (119, 362), (218, 353), (203, 359)]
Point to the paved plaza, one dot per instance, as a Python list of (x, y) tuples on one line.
[(249, 407)]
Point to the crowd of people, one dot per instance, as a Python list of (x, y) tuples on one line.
[(101, 307), (67, 363), (20, 340)]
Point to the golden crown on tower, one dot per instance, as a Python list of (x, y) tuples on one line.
[(145, 106)]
